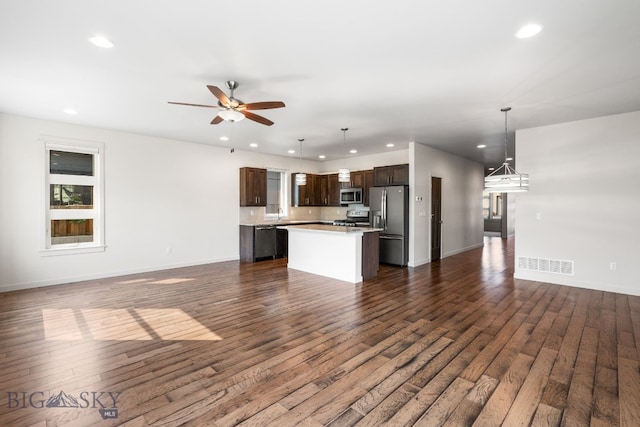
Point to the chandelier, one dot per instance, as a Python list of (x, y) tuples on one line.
[(506, 179)]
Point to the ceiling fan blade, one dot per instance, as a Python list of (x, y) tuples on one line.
[(216, 120), (224, 99), (261, 105), (257, 118), (193, 105)]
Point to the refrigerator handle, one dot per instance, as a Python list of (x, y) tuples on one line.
[(383, 204)]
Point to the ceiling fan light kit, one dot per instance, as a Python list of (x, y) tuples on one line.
[(231, 115), (506, 179)]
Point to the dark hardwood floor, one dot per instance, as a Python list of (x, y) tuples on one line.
[(456, 342)]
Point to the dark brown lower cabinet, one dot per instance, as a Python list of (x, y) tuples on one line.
[(370, 254), (282, 243)]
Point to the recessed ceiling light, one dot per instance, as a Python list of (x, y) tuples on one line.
[(291, 151), (482, 146), (322, 156), (70, 111), (508, 159), (101, 41), (253, 145), (353, 151), (390, 145), (224, 138), (528, 30), (492, 169)]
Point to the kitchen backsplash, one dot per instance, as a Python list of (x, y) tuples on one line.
[(256, 215)]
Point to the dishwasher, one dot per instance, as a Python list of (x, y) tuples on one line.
[(264, 241)]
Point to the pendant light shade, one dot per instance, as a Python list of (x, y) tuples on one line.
[(506, 179), (301, 178), (343, 173)]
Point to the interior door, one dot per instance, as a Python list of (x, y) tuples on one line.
[(436, 218)]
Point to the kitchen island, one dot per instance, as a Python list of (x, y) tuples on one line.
[(344, 253)]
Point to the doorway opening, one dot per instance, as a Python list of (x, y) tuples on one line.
[(436, 218)]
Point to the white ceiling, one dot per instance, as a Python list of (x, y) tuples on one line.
[(434, 72)]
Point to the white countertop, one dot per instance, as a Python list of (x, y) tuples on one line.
[(332, 228), (286, 222)]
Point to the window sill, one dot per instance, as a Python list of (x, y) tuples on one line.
[(72, 251)]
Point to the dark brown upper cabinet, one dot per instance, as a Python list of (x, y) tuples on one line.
[(253, 187), (391, 175)]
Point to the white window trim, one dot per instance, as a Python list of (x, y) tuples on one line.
[(284, 186), (97, 213)]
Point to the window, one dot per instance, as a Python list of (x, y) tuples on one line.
[(276, 191), (73, 205), (492, 205)]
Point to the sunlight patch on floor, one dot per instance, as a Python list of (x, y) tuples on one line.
[(123, 324), (132, 281)]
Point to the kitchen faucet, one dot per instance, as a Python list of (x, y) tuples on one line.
[(280, 211)]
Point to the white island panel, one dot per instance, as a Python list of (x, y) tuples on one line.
[(327, 251)]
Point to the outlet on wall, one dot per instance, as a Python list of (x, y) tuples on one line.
[(612, 265)]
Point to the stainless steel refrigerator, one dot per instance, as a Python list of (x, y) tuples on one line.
[(389, 210)]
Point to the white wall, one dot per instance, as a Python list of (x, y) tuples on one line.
[(392, 157), (162, 194), (462, 181), (584, 201), (159, 194)]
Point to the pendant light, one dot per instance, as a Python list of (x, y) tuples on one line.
[(506, 179), (343, 173), (301, 178)]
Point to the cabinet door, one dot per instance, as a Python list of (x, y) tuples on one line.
[(357, 179), (367, 184), (333, 187), (391, 175), (253, 187), (321, 190), (309, 190), (297, 192), (399, 174), (381, 176), (260, 186), (302, 195)]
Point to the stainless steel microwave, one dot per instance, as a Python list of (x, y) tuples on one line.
[(350, 195)]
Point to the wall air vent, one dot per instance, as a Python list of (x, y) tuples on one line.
[(546, 265)]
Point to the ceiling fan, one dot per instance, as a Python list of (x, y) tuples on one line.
[(233, 109)]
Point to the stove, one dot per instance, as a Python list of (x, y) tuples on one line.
[(354, 219)]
